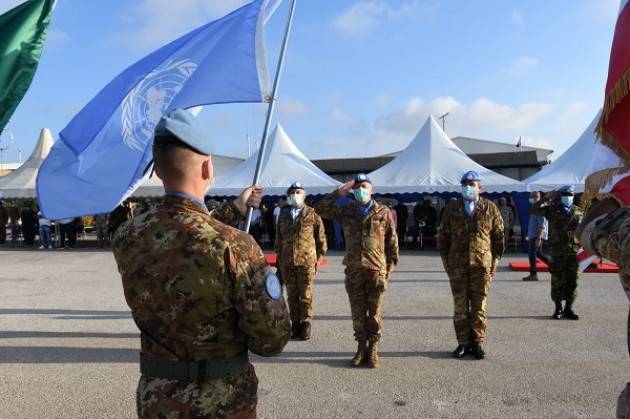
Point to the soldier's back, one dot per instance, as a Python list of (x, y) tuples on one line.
[(185, 278)]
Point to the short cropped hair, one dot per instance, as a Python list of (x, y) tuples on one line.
[(172, 157)]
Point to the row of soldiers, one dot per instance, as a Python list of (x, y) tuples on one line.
[(202, 294)]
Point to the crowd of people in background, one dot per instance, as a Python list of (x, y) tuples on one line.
[(416, 223)]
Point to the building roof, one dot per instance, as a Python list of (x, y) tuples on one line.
[(477, 146)]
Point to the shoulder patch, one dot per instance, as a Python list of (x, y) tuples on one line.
[(273, 286)]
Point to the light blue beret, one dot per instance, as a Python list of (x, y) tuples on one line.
[(184, 126)]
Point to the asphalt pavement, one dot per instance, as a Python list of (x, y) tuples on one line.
[(69, 349)]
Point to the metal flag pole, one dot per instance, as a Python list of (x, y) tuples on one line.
[(272, 105)]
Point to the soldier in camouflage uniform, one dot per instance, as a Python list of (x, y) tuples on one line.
[(471, 244), (563, 217), (371, 256), (200, 291), (101, 227), (300, 244), (605, 231)]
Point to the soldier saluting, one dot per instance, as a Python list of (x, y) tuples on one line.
[(200, 291), (563, 217), (371, 257), (471, 245), (300, 244)]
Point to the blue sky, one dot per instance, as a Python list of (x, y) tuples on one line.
[(361, 75)]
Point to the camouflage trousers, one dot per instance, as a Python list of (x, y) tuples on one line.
[(299, 283), (564, 276), (231, 397), (470, 289), (366, 289)]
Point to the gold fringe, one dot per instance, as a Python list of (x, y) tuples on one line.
[(596, 181), (613, 98)]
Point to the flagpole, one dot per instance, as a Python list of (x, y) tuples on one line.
[(272, 105)]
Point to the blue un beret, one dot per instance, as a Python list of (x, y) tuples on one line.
[(294, 186), (185, 127), (470, 176), (362, 177), (567, 190)]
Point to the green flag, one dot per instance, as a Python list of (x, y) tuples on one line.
[(22, 34)]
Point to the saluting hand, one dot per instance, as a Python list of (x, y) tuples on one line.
[(345, 189), (551, 196)]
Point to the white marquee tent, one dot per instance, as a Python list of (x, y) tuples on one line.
[(21, 182), (282, 165), (571, 168), (432, 163)]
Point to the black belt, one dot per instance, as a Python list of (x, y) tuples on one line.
[(192, 370)]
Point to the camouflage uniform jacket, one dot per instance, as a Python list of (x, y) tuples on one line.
[(562, 227), (611, 239), (371, 241), (195, 286), (475, 241), (301, 242)]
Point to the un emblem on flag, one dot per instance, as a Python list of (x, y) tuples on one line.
[(148, 101)]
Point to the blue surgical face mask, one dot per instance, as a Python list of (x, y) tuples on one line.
[(362, 195), (469, 193), (567, 201), (532, 201)]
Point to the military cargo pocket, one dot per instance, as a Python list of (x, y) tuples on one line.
[(378, 282)]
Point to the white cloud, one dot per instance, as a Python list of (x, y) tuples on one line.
[(341, 117), (483, 118), (365, 15), (56, 36), (288, 107), (522, 66), (483, 115), (159, 21)]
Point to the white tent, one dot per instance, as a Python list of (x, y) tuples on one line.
[(282, 165), (152, 187), (432, 163), (21, 182), (570, 168)]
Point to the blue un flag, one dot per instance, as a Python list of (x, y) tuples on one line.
[(101, 155)]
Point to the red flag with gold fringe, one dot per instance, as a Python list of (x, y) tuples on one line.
[(610, 167)]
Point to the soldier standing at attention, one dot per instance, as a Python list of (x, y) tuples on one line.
[(300, 245), (563, 218), (471, 245), (371, 256), (200, 291)]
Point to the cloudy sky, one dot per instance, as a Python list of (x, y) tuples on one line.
[(361, 75)]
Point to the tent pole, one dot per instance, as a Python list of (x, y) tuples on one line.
[(270, 110)]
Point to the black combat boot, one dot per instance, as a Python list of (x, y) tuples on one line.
[(531, 277), (296, 330), (460, 351), (306, 331), (558, 313), (478, 351), (568, 312), (361, 354)]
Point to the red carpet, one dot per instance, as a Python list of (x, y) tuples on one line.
[(271, 260), (523, 266)]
